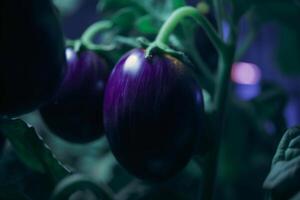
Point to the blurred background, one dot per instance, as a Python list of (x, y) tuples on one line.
[(265, 101)]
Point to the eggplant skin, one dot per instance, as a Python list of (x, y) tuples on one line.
[(153, 114), (32, 58), (75, 114)]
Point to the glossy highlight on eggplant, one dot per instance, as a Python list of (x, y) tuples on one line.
[(153, 114), (32, 57), (76, 113)]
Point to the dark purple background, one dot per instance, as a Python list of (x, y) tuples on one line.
[(262, 52), (76, 23)]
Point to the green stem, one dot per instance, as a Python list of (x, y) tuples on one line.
[(223, 78), (69, 42), (201, 68), (177, 16), (76, 182), (76, 45), (226, 59), (91, 32), (246, 43), (218, 13), (209, 175), (220, 99)]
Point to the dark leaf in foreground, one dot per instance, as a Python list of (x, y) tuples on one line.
[(283, 180), (31, 148)]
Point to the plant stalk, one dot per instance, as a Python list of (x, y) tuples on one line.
[(176, 17), (90, 33)]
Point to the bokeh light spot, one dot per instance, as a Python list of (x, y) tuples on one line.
[(245, 73)]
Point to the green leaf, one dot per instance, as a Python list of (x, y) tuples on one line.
[(147, 25), (158, 10), (31, 148), (289, 143), (125, 18), (283, 179)]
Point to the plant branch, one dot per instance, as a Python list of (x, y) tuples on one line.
[(88, 36), (218, 14), (176, 17), (202, 68), (250, 37), (226, 59)]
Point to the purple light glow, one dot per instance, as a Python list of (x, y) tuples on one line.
[(247, 92), (292, 114), (245, 73), (247, 77), (226, 30)]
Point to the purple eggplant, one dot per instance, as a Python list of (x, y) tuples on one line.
[(32, 59), (75, 114), (153, 114)]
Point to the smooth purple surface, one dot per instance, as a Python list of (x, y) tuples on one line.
[(153, 111), (76, 112), (32, 55)]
